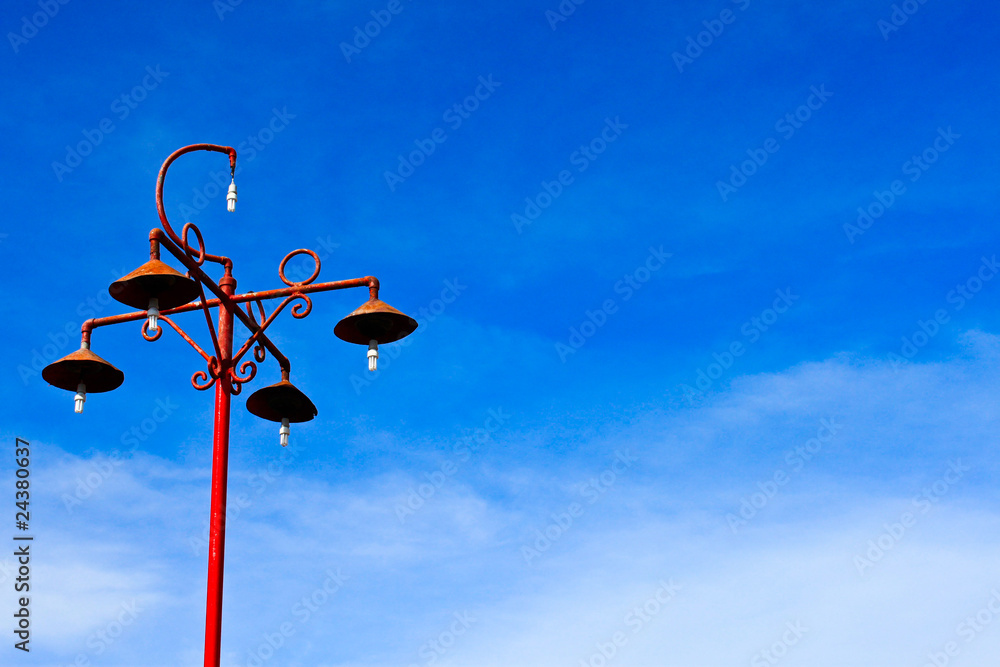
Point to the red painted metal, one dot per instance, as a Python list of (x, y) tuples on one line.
[(183, 334), (182, 240), (267, 321), (221, 368), (220, 474)]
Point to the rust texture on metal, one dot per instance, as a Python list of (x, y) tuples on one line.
[(375, 320), (86, 367), (181, 241), (154, 279), (282, 400)]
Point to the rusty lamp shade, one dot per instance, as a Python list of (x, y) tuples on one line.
[(154, 279), (83, 366), (281, 401), (375, 320)]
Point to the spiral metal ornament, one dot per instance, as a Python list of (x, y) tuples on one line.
[(201, 381), (145, 332), (248, 371), (294, 253), (300, 310), (197, 257)]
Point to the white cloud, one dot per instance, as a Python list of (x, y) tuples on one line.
[(793, 562)]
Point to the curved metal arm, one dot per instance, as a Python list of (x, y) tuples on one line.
[(190, 341), (182, 240)]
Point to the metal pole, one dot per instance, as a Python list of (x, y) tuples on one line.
[(220, 473)]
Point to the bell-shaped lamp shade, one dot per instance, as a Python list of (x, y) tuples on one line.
[(375, 320), (281, 401), (154, 280), (86, 367), (83, 371)]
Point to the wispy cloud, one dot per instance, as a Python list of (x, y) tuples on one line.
[(664, 520)]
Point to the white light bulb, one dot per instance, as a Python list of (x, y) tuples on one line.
[(153, 313), (231, 197), (80, 398), (284, 431), (372, 355)]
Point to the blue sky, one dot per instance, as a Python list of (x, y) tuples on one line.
[(713, 385)]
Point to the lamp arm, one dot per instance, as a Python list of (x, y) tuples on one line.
[(182, 239)]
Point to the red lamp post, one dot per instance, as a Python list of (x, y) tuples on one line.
[(163, 292)]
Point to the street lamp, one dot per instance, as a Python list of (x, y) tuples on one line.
[(159, 292)]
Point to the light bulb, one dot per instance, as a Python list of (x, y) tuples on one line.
[(284, 431), (372, 354), (153, 313), (231, 197), (80, 398)]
